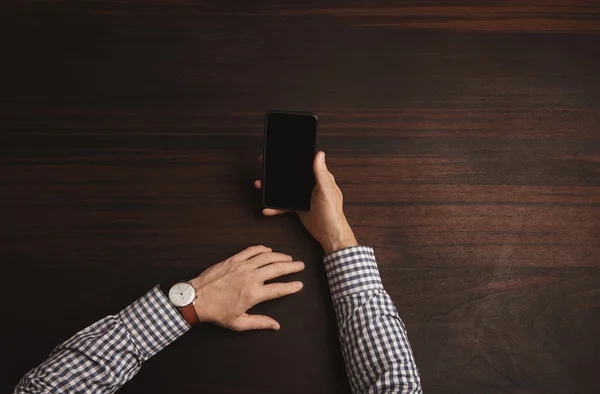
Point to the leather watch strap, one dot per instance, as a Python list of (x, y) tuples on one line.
[(189, 314)]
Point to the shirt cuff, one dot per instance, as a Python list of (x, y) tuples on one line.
[(352, 270), (153, 322)]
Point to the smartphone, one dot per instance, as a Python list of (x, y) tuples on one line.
[(288, 153)]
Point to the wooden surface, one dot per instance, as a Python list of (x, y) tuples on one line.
[(465, 136)]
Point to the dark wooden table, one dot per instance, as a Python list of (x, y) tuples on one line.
[(465, 137)]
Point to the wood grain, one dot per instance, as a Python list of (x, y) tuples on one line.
[(501, 329), (465, 136)]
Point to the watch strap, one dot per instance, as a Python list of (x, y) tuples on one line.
[(189, 314)]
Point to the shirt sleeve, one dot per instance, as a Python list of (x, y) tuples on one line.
[(374, 342), (104, 356)]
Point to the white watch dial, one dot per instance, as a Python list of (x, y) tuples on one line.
[(182, 294)]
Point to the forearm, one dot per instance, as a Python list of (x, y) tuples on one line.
[(104, 356), (374, 343)]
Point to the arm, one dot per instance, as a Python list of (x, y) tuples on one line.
[(105, 355), (374, 343), (373, 337)]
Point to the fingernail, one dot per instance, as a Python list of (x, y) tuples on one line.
[(300, 285), (290, 258), (275, 327), (322, 156)]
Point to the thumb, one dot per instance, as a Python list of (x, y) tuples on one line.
[(256, 322), (320, 168)]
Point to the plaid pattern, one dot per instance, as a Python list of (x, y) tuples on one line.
[(378, 355), (104, 356)]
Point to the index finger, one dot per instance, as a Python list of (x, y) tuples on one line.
[(273, 212)]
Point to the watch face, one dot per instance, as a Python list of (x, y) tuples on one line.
[(182, 294)]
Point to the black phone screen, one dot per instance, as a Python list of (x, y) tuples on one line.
[(289, 150)]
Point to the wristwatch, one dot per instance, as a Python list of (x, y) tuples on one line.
[(182, 296)]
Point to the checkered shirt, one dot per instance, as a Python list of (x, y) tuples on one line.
[(375, 346), (105, 355), (102, 357)]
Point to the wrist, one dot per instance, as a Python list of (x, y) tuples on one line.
[(199, 305), (343, 239)]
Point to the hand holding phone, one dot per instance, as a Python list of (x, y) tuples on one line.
[(325, 220)]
